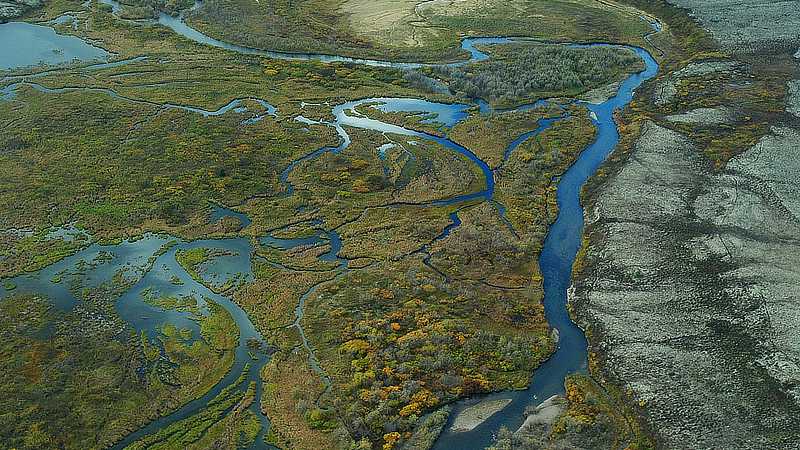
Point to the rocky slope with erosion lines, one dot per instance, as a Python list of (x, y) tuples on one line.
[(748, 26), (10, 9), (689, 296)]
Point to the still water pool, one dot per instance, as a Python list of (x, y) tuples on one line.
[(25, 44)]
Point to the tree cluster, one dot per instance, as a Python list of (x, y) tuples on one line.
[(521, 71)]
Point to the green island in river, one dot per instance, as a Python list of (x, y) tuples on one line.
[(358, 224)]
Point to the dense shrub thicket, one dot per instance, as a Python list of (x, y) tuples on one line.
[(425, 83), (143, 9), (519, 72)]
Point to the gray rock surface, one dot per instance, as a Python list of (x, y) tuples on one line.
[(475, 415), (749, 26), (601, 94), (793, 97), (665, 92), (775, 161), (692, 294), (10, 9), (705, 116), (697, 69), (692, 290), (544, 415)]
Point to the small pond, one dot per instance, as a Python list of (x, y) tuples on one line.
[(26, 44)]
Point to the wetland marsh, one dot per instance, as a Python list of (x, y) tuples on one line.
[(361, 234)]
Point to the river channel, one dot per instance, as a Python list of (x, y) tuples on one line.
[(145, 260)]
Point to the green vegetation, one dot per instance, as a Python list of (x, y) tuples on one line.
[(490, 136), (142, 9), (238, 429), (145, 165), (525, 183), (552, 20), (218, 328), (185, 304), (398, 335), (192, 259), (379, 331), (684, 39), (523, 73), (170, 185), (29, 252), (409, 345), (407, 29), (594, 418), (599, 411), (208, 425), (428, 430), (290, 393), (73, 380), (401, 315)]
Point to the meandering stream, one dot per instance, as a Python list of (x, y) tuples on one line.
[(556, 260)]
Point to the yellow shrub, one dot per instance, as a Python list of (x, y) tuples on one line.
[(390, 439), (411, 408), (355, 346)]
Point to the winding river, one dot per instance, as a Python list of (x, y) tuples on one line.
[(158, 270), (556, 260)]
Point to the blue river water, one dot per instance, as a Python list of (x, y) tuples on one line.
[(158, 271), (25, 44), (447, 114), (168, 278), (150, 264), (450, 114), (178, 24), (543, 125), (219, 212), (556, 261)]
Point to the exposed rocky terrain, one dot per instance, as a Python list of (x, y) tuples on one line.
[(667, 89), (692, 293), (475, 415), (793, 100), (10, 9), (707, 116), (691, 296), (748, 25)]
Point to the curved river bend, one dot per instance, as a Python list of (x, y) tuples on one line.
[(556, 260)]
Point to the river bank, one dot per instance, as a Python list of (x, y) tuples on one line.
[(686, 289)]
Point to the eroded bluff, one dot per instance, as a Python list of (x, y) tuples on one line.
[(691, 287)]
